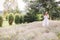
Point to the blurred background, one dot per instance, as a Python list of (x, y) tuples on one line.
[(29, 10), (22, 19)]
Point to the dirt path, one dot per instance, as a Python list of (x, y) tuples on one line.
[(31, 31)]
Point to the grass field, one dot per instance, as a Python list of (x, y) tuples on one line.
[(30, 31)]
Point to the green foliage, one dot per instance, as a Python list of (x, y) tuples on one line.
[(40, 6), (39, 17), (55, 15), (29, 17), (20, 21), (26, 18), (7, 17), (58, 35), (11, 19), (1, 21), (17, 19)]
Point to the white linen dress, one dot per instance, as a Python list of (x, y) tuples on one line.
[(45, 22)]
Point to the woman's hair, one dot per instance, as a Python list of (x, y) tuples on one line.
[(46, 13)]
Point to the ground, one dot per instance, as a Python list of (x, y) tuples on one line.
[(30, 31)]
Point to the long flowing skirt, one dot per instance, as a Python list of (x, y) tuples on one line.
[(45, 23)]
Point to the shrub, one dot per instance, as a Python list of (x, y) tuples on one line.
[(10, 20), (21, 19), (1, 21), (7, 17), (58, 35), (17, 19), (39, 17), (29, 18), (26, 19)]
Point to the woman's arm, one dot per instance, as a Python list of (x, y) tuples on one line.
[(48, 16)]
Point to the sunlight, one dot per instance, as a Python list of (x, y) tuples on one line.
[(21, 4), (57, 0), (1, 5)]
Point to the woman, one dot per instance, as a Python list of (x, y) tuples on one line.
[(46, 20)]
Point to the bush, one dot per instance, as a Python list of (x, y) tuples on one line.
[(7, 17), (17, 19), (1, 21), (58, 35), (29, 17), (39, 17), (21, 19), (10, 20)]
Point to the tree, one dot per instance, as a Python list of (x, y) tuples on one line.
[(10, 5), (46, 5)]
